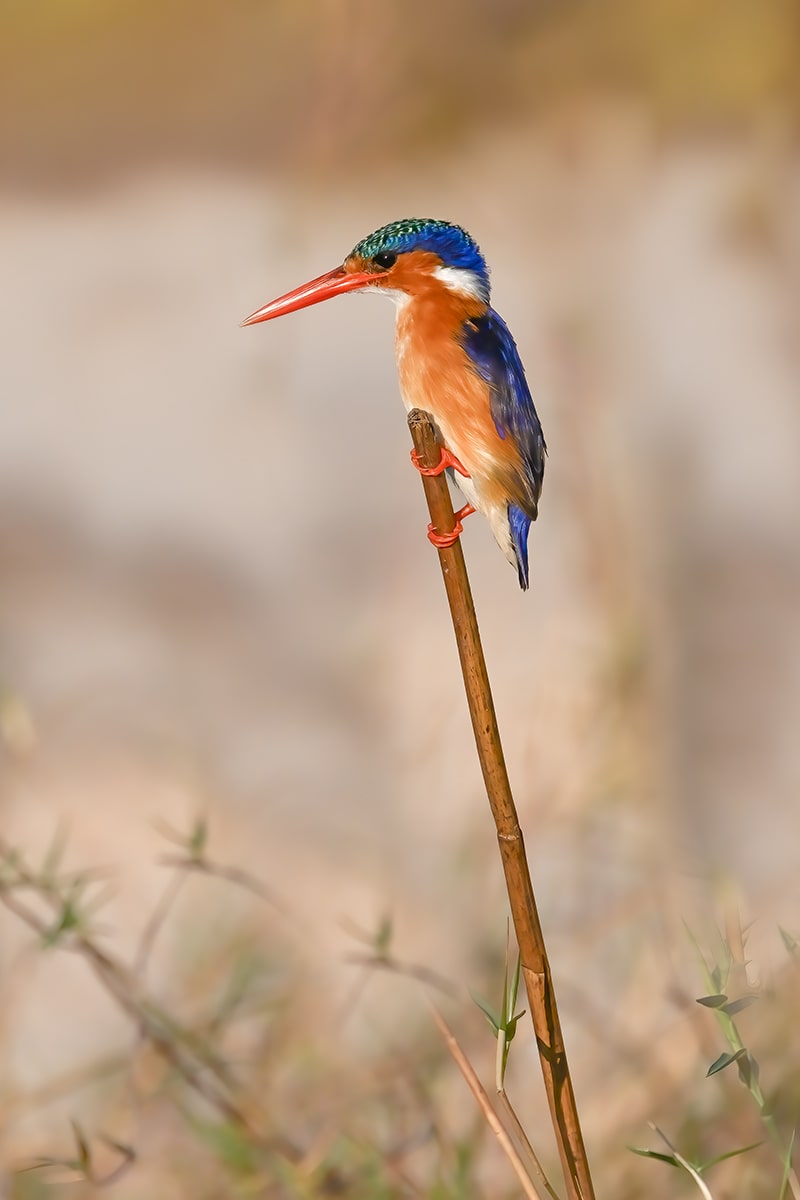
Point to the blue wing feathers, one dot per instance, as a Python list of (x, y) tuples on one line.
[(494, 355), (489, 344)]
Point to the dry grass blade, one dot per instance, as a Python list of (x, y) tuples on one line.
[(687, 1166), (524, 1141), (492, 1120)]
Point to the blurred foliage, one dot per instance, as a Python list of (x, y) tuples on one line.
[(89, 86), (266, 1095)]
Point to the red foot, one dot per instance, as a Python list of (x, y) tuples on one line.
[(442, 540), (447, 460)]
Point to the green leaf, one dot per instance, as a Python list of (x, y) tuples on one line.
[(748, 1069), (69, 918), (791, 944), (514, 991), (716, 1001), (787, 1166), (511, 1025), (383, 936), (198, 838), (736, 1006), (670, 1159), (231, 1144), (725, 1060), (84, 1154), (53, 857), (488, 1013), (712, 1162), (504, 1009)]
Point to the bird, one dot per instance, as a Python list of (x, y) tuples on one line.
[(456, 360)]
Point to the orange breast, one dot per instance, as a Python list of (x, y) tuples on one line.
[(437, 375)]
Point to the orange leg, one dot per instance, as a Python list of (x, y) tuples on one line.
[(442, 540), (447, 460)]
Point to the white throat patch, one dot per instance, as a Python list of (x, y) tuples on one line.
[(400, 299)]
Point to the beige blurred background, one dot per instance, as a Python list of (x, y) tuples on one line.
[(217, 596)]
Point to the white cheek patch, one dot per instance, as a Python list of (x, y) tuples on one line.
[(466, 283)]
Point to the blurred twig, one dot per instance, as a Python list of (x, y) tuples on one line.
[(380, 957), (84, 1164), (199, 1067), (490, 1116), (194, 858)]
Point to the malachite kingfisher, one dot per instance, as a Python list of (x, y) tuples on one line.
[(457, 360)]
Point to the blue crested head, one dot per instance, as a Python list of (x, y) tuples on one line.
[(451, 243)]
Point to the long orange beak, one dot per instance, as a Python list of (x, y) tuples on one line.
[(334, 283)]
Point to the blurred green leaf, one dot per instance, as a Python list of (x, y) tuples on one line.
[(68, 920), (748, 1071), (791, 944), (724, 1060), (787, 1166), (53, 856), (716, 1001), (737, 1006), (84, 1154), (645, 1153), (488, 1012), (383, 936), (198, 838), (712, 1162), (231, 1144)]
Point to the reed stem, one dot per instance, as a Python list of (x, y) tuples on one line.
[(533, 953)]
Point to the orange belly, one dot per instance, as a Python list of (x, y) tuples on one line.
[(436, 375)]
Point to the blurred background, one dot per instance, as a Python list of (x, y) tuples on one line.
[(218, 603)]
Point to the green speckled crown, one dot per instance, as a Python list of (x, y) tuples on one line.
[(453, 244)]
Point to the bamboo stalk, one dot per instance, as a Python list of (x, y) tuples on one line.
[(533, 953)]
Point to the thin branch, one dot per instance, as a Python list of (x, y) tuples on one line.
[(199, 1068), (490, 1116), (422, 974), (235, 875), (527, 926), (155, 923), (687, 1166), (527, 1148)]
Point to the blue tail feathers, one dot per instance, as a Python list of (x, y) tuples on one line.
[(520, 524)]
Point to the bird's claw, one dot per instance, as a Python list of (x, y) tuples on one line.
[(442, 540), (446, 460)]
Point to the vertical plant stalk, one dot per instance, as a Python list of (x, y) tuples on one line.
[(530, 940)]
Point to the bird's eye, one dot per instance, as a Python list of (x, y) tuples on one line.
[(384, 260)]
